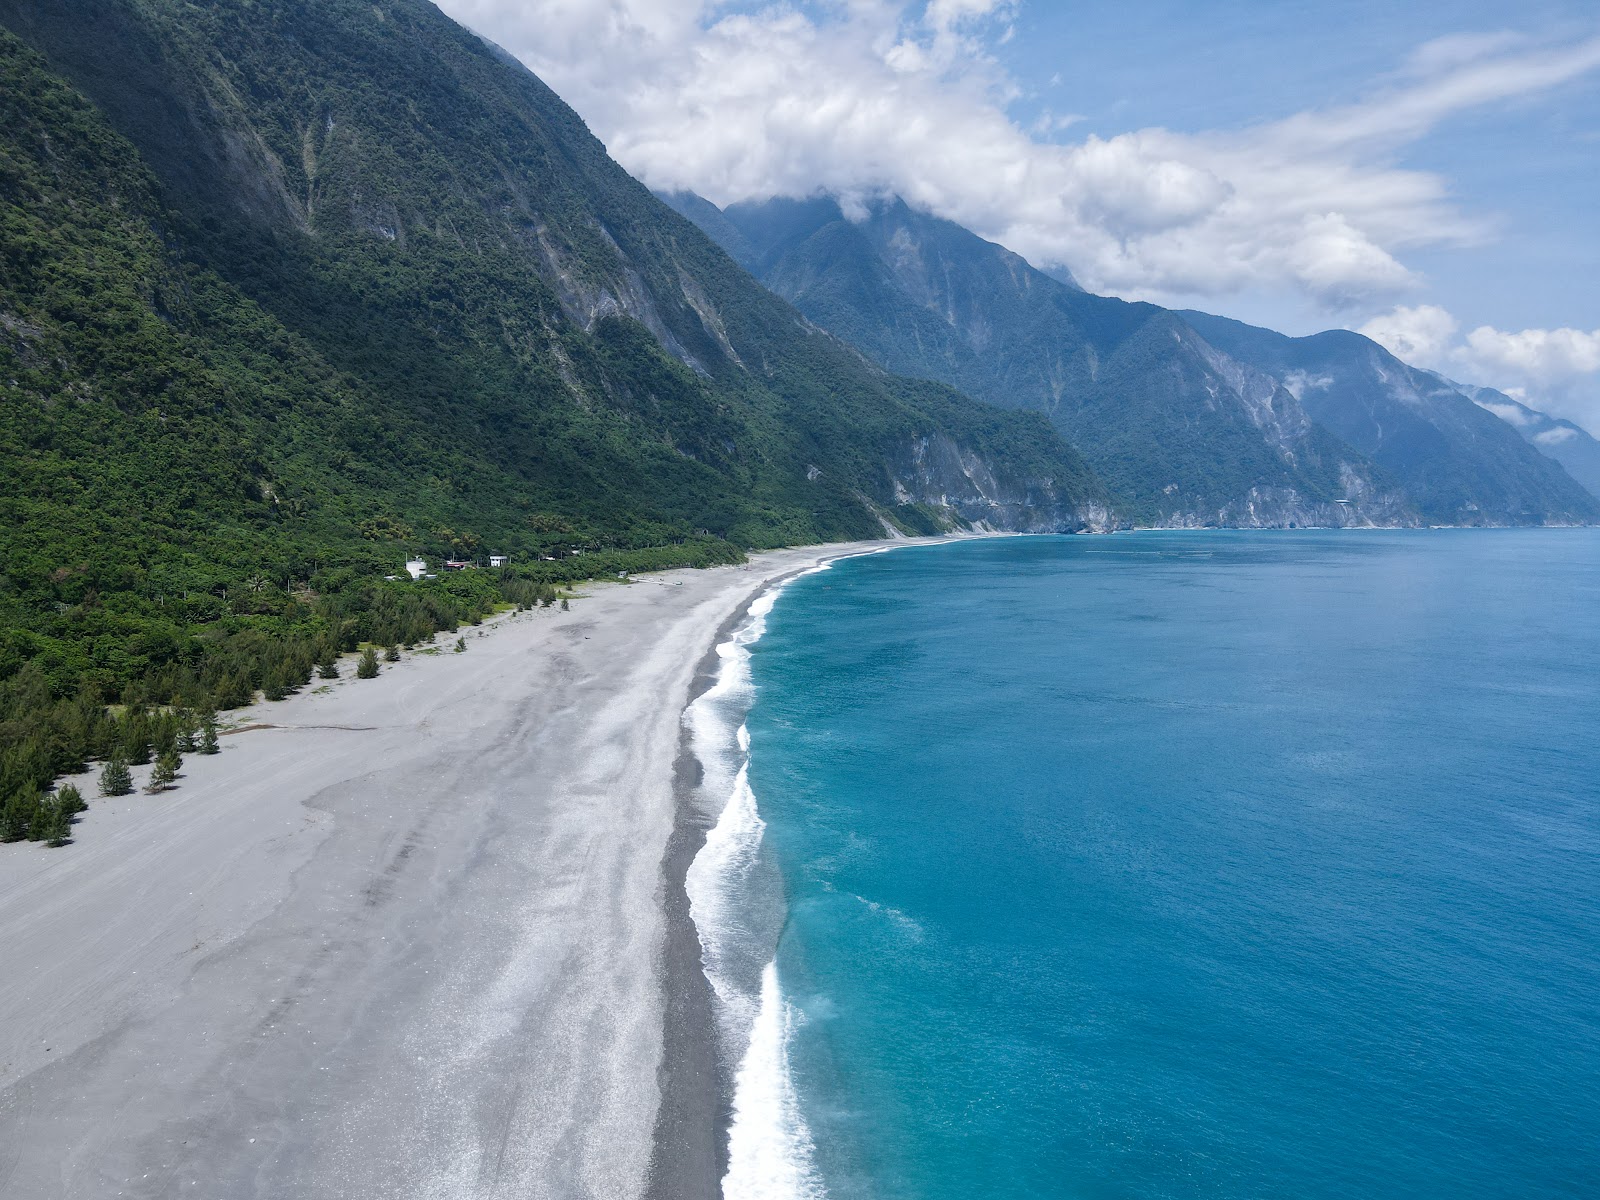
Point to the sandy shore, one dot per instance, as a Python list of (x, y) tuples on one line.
[(410, 941)]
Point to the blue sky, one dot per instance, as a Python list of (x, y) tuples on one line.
[(1531, 166), (1423, 172)]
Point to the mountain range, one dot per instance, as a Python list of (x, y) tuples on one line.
[(1190, 419)]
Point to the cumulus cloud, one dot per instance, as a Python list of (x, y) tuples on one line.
[(1554, 370), (869, 97), (1541, 356), (1423, 336)]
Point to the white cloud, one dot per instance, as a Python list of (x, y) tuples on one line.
[(1554, 437), (1554, 370), (880, 96), (1422, 336), (1508, 413), (883, 96), (1541, 356)]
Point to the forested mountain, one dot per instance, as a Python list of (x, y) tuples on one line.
[(1180, 433), (1190, 418), (1570, 445), (1462, 464), (290, 289)]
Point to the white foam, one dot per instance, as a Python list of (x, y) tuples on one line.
[(769, 1146)]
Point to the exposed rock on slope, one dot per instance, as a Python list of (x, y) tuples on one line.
[(1180, 432)]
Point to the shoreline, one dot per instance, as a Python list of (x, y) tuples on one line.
[(690, 1155), (416, 935)]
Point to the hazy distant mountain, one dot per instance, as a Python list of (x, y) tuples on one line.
[(1570, 445), (1460, 462), (1184, 434)]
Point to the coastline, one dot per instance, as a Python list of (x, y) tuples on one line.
[(408, 936), (690, 1156)]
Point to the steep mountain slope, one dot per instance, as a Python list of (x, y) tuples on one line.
[(1181, 433), (1570, 445), (1460, 462), (289, 290), (437, 223)]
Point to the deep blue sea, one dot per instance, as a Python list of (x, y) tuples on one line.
[(1167, 865)]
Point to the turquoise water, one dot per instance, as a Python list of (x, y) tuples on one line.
[(1185, 865)]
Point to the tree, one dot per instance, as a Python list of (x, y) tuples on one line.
[(185, 742), (136, 739), (71, 799), (165, 773), (14, 818), (461, 645), (328, 668), (55, 823), (208, 738), (565, 607), (367, 668), (392, 654), (36, 812), (116, 779)]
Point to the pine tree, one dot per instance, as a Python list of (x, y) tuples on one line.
[(461, 645), (136, 741), (273, 686), (35, 811), (185, 741), (208, 731), (165, 773), (565, 607), (392, 654), (328, 668), (14, 819), (55, 823), (367, 668), (71, 800), (116, 779)]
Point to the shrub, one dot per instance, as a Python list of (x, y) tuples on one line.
[(367, 668)]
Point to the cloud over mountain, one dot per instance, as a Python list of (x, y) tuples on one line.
[(1556, 370), (867, 97)]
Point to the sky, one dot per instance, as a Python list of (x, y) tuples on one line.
[(1423, 172)]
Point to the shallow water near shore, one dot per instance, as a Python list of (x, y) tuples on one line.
[(1176, 865)]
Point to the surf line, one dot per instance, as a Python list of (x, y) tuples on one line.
[(736, 904)]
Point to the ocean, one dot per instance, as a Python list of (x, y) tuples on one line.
[(1162, 865)]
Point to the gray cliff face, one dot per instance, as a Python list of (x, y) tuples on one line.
[(1459, 461), (971, 490)]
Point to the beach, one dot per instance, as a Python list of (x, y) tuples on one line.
[(419, 936)]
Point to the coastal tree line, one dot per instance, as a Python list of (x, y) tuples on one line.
[(120, 684)]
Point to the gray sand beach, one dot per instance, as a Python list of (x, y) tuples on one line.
[(409, 939)]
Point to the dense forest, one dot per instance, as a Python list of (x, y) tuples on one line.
[(290, 292)]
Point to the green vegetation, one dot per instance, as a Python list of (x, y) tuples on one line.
[(115, 778), (367, 668), (300, 290), (165, 774)]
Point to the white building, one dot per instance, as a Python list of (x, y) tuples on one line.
[(499, 560), (416, 567)]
